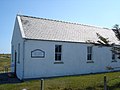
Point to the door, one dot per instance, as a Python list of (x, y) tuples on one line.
[(15, 62)]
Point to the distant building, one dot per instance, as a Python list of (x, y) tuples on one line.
[(46, 48)]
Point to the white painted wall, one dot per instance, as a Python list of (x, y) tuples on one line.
[(16, 39), (74, 57)]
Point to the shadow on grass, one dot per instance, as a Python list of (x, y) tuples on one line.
[(5, 79)]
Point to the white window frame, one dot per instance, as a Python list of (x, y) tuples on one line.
[(58, 53), (89, 54), (114, 57), (12, 53), (18, 52)]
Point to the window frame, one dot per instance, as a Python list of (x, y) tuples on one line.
[(114, 57), (58, 53), (90, 54), (12, 53), (18, 52)]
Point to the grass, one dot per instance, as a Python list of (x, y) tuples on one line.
[(84, 82), (4, 61)]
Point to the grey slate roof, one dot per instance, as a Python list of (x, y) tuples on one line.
[(47, 29)]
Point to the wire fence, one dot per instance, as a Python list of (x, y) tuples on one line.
[(85, 82), (5, 69), (106, 82)]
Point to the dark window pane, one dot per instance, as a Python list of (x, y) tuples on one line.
[(58, 50), (89, 49), (59, 57), (55, 56), (89, 57), (113, 56), (89, 53)]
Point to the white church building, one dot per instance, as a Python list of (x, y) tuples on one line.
[(47, 48)]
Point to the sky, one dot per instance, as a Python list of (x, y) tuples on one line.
[(102, 13)]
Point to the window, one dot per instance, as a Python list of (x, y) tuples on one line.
[(19, 53), (12, 53), (89, 53), (113, 57), (58, 52)]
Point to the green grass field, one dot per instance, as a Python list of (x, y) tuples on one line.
[(4, 61), (84, 82)]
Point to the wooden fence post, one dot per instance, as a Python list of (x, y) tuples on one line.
[(42, 84), (105, 83), (5, 69)]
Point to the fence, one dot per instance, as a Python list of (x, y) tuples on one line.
[(4, 63), (85, 82), (104, 86), (105, 83), (5, 69)]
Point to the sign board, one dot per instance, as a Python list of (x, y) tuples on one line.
[(37, 53)]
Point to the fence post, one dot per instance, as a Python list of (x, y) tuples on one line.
[(42, 84), (105, 83), (5, 69)]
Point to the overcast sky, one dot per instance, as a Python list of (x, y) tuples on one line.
[(103, 13)]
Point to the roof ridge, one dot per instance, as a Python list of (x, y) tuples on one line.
[(64, 21)]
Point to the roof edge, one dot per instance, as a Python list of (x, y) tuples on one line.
[(21, 27), (70, 42), (65, 22)]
